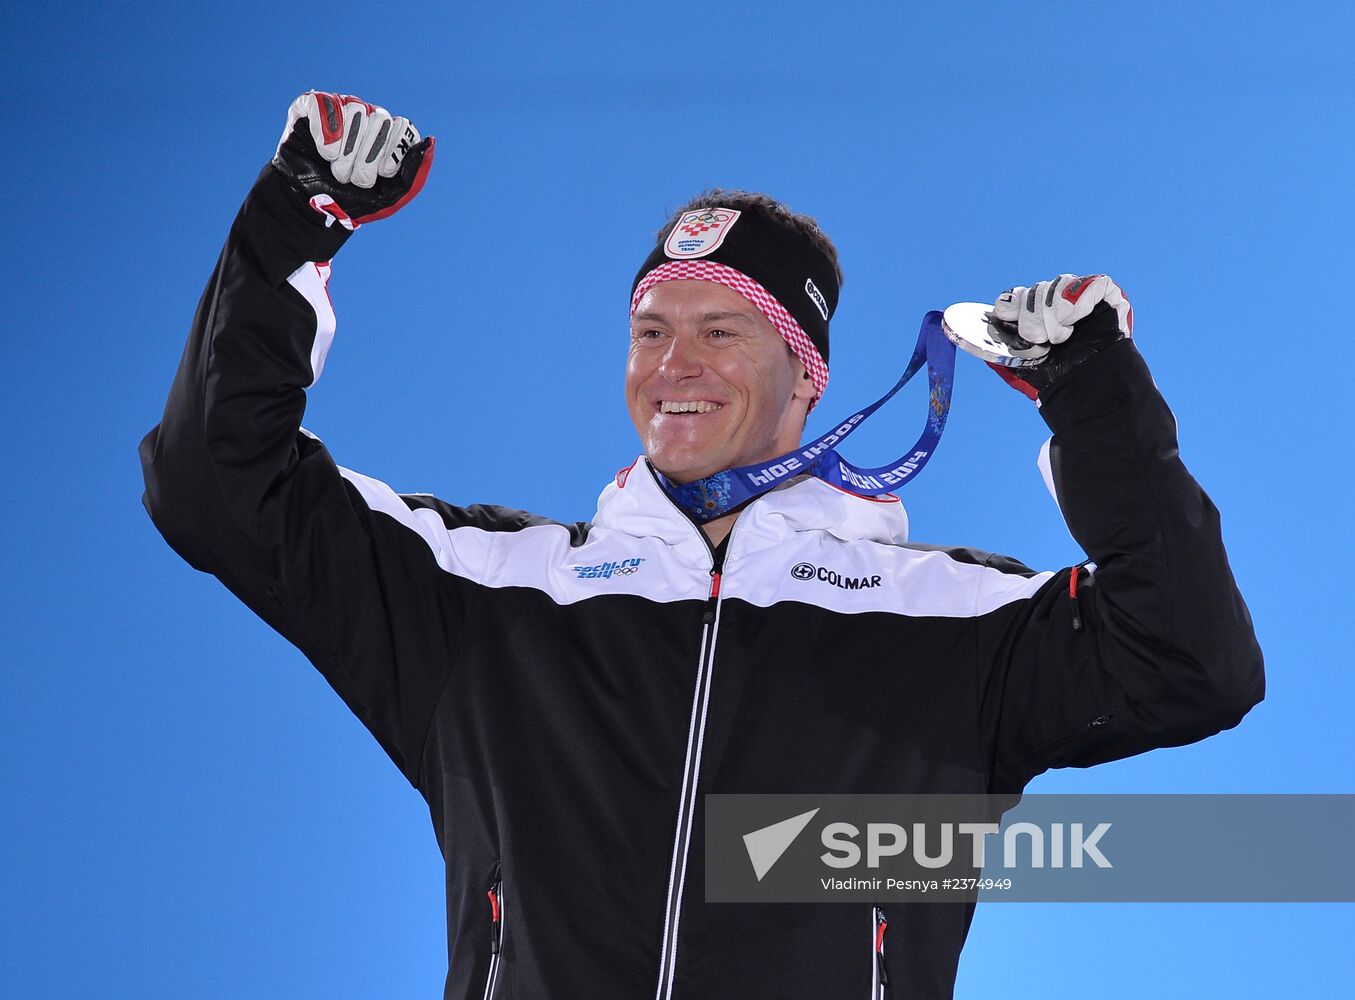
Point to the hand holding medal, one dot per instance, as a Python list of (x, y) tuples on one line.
[(1027, 335)]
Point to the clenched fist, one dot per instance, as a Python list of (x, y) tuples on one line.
[(354, 161), (1062, 322), (1045, 314)]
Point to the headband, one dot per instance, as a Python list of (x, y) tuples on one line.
[(771, 264)]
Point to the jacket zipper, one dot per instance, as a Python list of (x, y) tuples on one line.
[(696, 732), (879, 982), (496, 935)]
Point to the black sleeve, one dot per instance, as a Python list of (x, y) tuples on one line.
[(1166, 653), (241, 491)]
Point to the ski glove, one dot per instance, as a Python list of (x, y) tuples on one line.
[(1045, 317), (352, 160)]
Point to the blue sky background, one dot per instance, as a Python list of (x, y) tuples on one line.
[(189, 811)]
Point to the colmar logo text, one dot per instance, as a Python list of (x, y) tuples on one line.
[(808, 571)]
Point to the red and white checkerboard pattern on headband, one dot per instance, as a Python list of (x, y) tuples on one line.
[(709, 270)]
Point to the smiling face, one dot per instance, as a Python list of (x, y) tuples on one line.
[(710, 383)]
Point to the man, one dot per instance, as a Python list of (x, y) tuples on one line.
[(563, 695)]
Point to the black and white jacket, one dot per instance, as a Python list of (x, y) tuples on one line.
[(563, 695)]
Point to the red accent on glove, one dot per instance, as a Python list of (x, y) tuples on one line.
[(414, 188), (1014, 380), (1074, 289), (331, 117), (329, 207)]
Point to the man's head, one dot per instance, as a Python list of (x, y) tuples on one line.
[(729, 333)]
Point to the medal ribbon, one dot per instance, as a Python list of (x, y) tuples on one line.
[(716, 495)]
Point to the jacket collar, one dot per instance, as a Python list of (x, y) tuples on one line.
[(635, 504)]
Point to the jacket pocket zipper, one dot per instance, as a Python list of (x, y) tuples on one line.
[(879, 981), (495, 935)]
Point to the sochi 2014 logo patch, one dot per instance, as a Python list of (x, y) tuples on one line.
[(700, 232), (607, 570)]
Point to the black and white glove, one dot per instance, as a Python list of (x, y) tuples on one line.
[(354, 161), (1064, 322)]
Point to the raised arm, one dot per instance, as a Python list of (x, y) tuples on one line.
[(1154, 648), (334, 561)]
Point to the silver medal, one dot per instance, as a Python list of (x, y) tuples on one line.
[(972, 328)]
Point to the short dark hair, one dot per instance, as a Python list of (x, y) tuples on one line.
[(745, 200)]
